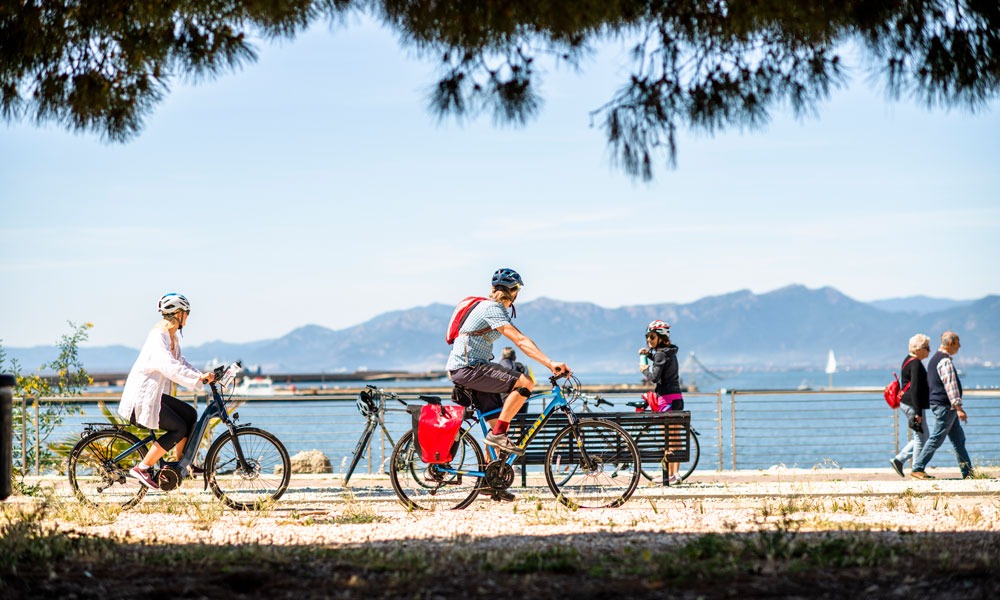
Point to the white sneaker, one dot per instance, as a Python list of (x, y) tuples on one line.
[(502, 443)]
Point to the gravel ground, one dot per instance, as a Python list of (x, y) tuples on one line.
[(317, 511), (786, 534)]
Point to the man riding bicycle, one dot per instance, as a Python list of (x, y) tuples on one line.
[(470, 364)]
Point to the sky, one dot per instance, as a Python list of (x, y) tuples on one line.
[(314, 187)]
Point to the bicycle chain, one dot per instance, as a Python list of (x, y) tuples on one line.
[(499, 475)]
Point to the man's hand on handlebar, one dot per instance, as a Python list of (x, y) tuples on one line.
[(560, 369), (208, 377)]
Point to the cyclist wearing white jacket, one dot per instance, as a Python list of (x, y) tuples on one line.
[(144, 399)]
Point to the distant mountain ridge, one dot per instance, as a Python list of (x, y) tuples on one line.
[(790, 327)]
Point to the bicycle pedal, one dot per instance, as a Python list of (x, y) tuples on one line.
[(502, 496)]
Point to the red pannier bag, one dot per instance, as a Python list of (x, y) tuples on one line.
[(437, 431)]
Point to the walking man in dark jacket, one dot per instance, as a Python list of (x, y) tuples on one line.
[(946, 404)]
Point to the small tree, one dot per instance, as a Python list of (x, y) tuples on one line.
[(70, 379)]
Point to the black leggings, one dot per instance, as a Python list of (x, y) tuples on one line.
[(177, 418)]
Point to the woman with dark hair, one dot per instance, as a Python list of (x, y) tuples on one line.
[(658, 362)]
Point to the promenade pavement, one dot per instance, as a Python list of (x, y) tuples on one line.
[(724, 484), (771, 483)]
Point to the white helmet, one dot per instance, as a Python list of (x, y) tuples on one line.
[(660, 327), (173, 302)]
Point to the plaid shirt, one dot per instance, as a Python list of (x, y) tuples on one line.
[(946, 371), (471, 350)]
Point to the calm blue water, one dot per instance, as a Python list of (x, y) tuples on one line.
[(972, 378), (792, 379)]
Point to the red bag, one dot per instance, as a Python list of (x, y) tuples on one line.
[(892, 393), (651, 402), (460, 315), (438, 430)]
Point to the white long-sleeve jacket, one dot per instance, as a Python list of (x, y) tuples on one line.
[(152, 372)]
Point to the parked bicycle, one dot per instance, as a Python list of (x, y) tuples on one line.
[(603, 453), (686, 467), (246, 467), (371, 405), (598, 402)]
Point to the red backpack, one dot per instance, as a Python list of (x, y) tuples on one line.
[(892, 393), (460, 315)]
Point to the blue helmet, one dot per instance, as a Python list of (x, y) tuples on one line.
[(507, 278)]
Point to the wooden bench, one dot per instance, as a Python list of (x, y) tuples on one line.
[(650, 431)]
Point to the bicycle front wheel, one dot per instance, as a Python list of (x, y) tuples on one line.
[(605, 465), (419, 489), (261, 477), (97, 478)]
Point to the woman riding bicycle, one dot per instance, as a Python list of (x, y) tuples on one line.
[(145, 401), (470, 364)]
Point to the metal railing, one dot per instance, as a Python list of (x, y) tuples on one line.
[(741, 429), (843, 428)]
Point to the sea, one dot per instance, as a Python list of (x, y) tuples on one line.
[(973, 378)]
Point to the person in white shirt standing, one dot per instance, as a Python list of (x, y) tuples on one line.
[(145, 400)]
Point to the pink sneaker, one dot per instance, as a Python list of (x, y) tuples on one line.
[(144, 477)]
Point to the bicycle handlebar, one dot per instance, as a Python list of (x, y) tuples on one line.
[(394, 396), (601, 401), (225, 374), (564, 375)]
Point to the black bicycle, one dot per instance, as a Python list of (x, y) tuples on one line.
[(246, 467), (371, 405)]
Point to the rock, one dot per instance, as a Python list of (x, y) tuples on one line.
[(312, 461)]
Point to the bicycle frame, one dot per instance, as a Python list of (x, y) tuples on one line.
[(375, 418), (216, 409), (556, 401)]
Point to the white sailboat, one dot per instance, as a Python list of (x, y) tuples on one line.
[(831, 368)]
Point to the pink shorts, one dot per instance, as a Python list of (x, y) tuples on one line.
[(666, 401), (660, 403)]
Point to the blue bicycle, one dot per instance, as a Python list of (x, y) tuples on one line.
[(590, 463)]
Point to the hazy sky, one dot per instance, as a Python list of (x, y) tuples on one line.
[(314, 187)]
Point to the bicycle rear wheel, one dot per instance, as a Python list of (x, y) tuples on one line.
[(606, 465), (652, 470), (264, 476), (99, 480), (408, 473)]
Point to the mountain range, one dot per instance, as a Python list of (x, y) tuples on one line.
[(790, 327)]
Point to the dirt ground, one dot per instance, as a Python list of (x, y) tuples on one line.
[(792, 537)]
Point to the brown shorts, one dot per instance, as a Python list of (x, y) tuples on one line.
[(489, 382)]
